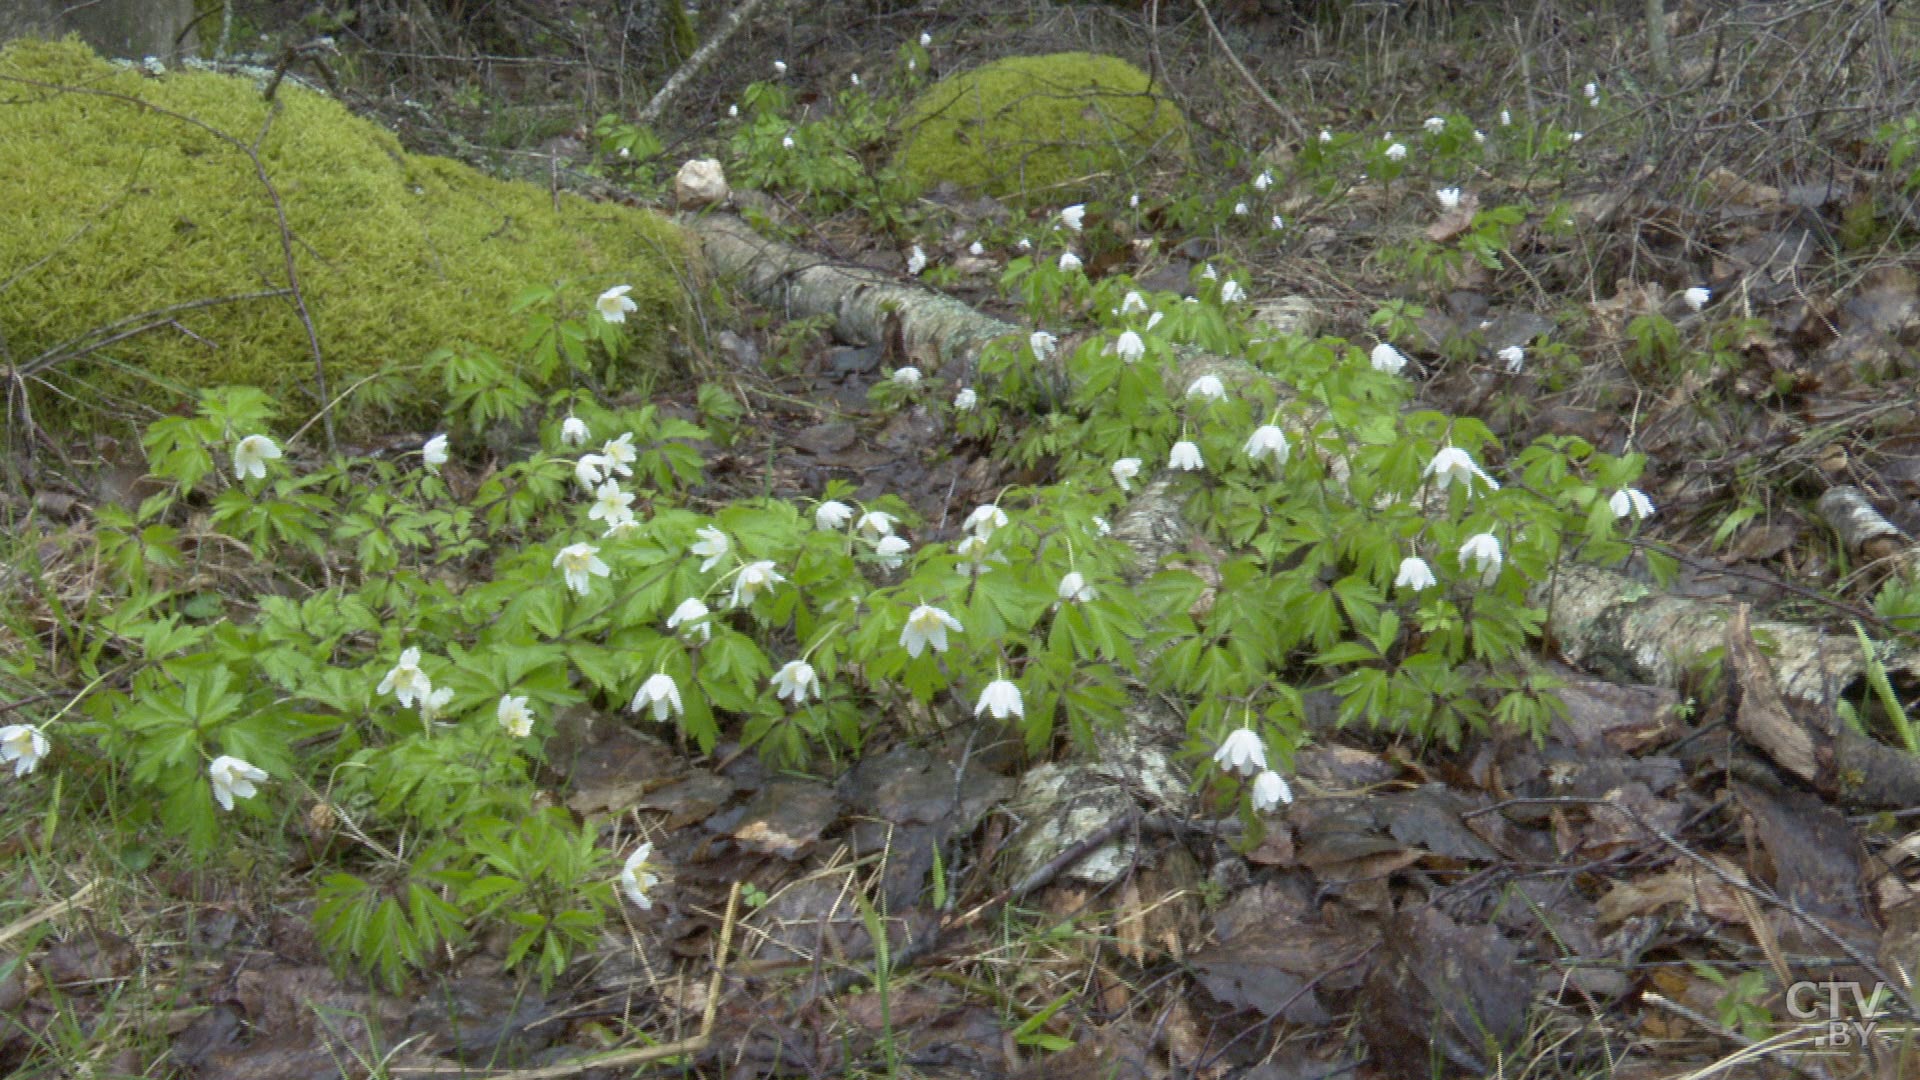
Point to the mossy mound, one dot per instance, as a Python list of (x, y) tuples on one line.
[(115, 210), (1034, 125)]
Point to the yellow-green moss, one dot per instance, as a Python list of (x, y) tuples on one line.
[(114, 209), (1036, 125)]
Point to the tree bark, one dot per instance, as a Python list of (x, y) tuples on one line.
[(1601, 621)]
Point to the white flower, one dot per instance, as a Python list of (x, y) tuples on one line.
[(1132, 303), (1074, 216), (1267, 443), (233, 779), (610, 504), (832, 515), (24, 745), (1153, 320), (875, 524), (974, 549), (621, 526), (1388, 359), (891, 551), (1042, 344), (1269, 791), (1130, 347), (1278, 223), (1209, 387), (985, 519), (916, 260), (854, 79), (574, 432), (1125, 470), (1449, 198), (590, 470), (906, 376), (1415, 574), (661, 692), (1592, 92), (1325, 136), (434, 453), (926, 40), (692, 614), (405, 681), (580, 563), (712, 546), (619, 455), (779, 67), (1697, 297), (1240, 209), (733, 112), (794, 681), (1396, 152), (786, 142), (927, 626), (1208, 273), (626, 151), (432, 705), (1024, 244), (514, 716), (1514, 357), (1576, 136), (1002, 699), (1242, 752), (1479, 137), (636, 880), (966, 399), (1454, 464), (1100, 525), (1483, 551), (1435, 124), (251, 454), (1263, 181), (1506, 117), (1074, 588), (1185, 455), (1231, 292), (614, 304), (753, 578), (1069, 262), (1631, 501)]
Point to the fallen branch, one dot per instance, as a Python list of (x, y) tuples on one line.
[(1886, 551), (698, 62)]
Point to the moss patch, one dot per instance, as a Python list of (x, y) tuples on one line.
[(1034, 125), (117, 209)]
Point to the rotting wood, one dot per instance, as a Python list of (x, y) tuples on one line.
[(1601, 621), (1883, 548)]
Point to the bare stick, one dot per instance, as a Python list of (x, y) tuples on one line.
[(1278, 110), (699, 60)]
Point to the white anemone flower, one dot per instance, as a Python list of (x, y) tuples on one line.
[(1074, 588), (1101, 526), (1415, 574), (1278, 223), (1435, 124), (1073, 217), (795, 681), (906, 376), (927, 627), (1592, 93), (574, 432), (1132, 303), (692, 614), (892, 551), (1129, 347), (779, 67), (1001, 698), (434, 705), (251, 454), (786, 143), (1396, 152), (1506, 117), (619, 455), (1240, 209), (1153, 320), (753, 579), (405, 681), (966, 400), (1697, 297), (637, 878), (976, 249), (712, 546), (1263, 181), (1388, 359), (1325, 136), (614, 304), (1631, 502), (1267, 443), (1042, 344), (610, 504), (1231, 292), (1482, 550), (854, 79), (875, 524), (1454, 465), (1270, 791), (233, 779), (580, 564), (514, 716), (434, 453), (916, 261), (1208, 387), (1069, 262), (1449, 198), (926, 40), (23, 746), (832, 516), (1242, 752), (1124, 471), (1514, 357), (661, 692), (1185, 455), (591, 470), (984, 520)]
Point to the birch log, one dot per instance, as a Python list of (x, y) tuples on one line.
[(1878, 543), (1601, 621)]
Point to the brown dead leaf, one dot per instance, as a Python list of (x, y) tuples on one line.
[(1730, 187), (1687, 884), (784, 818), (1452, 223), (1442, 988)]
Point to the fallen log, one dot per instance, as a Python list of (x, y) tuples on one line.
[(1601, 621)]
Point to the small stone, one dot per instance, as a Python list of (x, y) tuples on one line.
[(700, 182)]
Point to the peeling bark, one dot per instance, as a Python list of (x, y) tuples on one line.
[(1869, 537), (1603, 622)]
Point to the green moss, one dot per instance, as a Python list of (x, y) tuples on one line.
[(117, 209), (1038, 125)]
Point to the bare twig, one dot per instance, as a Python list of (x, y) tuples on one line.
[(699, 60), (1299, 131)]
